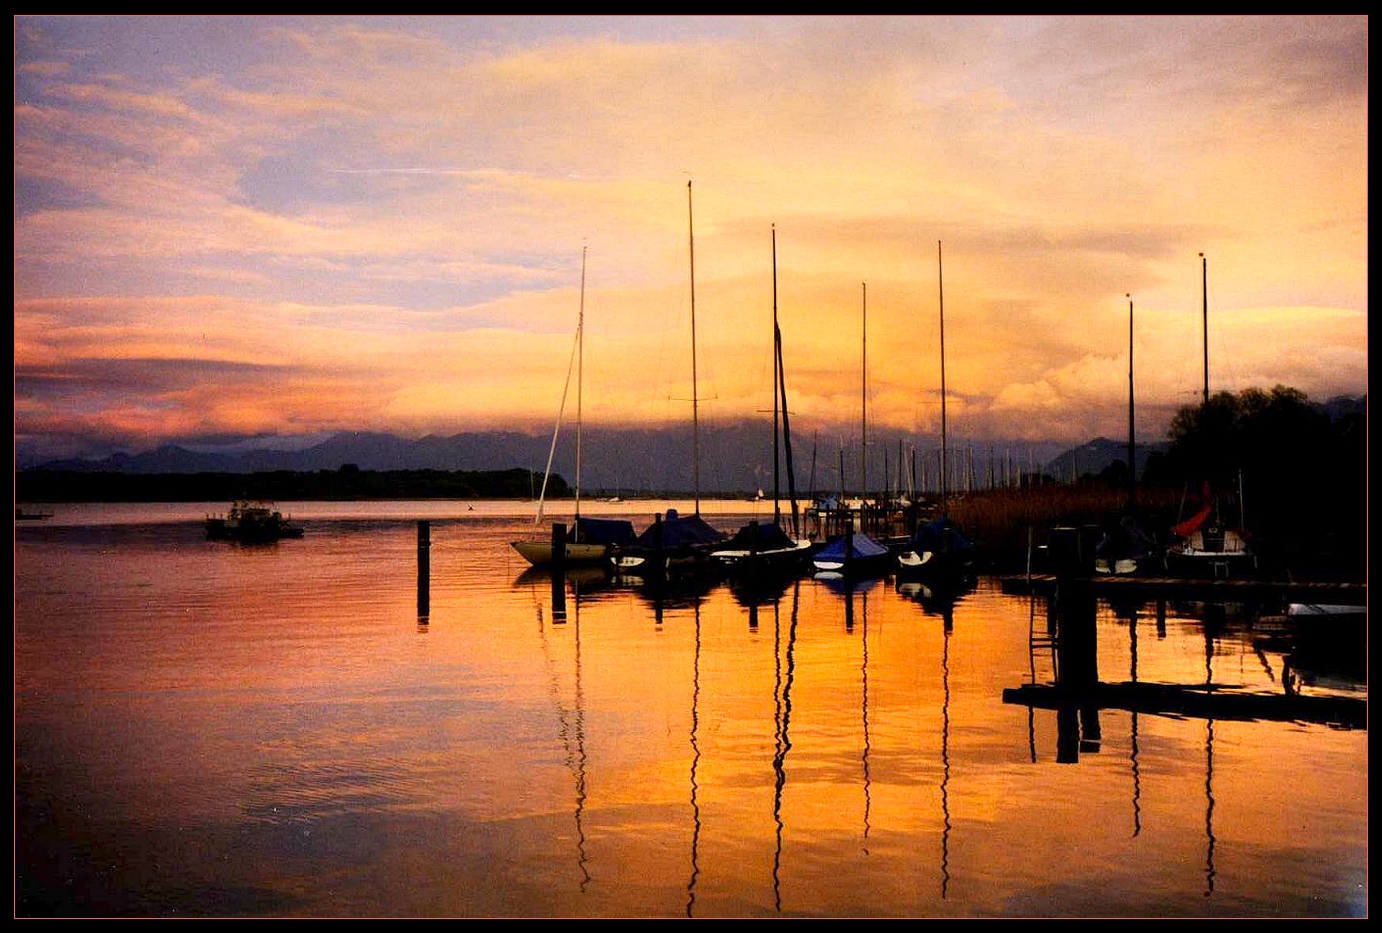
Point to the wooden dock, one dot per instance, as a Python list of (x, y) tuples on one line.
[(1210, 590), (1196, 701)]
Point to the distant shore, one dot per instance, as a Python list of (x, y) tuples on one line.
[(39, 486)]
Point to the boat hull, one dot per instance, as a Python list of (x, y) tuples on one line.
[(739, 559), (539, 553)]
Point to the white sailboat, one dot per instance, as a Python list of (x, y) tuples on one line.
[(588, 541), (1205, 543)]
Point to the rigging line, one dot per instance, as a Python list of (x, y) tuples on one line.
[(561, 410)]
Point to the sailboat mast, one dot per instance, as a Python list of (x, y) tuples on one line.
[(781, 392), (1204, 291), (777, 360), (695, 391), (940, 283), (1132, 461), (864, 397), (580, 370)]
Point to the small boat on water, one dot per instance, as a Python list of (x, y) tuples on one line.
[(1124, 549), (590, 542), (762, 548), (251, 522), (938, 550), (854, 555), (22, 514), (1205, 545), (669, 544)]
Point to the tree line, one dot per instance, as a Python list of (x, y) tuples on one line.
[(347, 483)]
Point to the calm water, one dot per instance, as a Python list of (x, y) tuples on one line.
[(205, 729)]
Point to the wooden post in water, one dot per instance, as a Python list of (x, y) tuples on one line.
[(424, 569), (558, 566), (659, 562)]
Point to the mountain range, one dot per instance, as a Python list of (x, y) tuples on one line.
[(735, 459)]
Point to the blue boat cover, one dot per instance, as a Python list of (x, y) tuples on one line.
[(863, 547), (940, 535), (677, 532), (604, 531)]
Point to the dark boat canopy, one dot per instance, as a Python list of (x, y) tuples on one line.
[(672, 531), (604, 530), (940, 535), (760, 536)]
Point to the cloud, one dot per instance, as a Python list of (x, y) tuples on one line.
[(270, 223)]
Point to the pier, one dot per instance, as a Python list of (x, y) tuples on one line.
[(1210, 590), (1195, 701)]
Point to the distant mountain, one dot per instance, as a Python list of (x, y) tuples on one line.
[(736, 459), (1093, 457), (1346, 405)]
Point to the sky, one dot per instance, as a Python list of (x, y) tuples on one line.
[(286, 227)]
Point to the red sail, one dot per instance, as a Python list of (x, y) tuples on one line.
[(1193, 523)]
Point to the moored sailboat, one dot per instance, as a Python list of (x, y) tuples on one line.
[(765, 548), (1205, 543), (856, 553), (671, 542), (1125, 547), (590, 540), (938, 549)]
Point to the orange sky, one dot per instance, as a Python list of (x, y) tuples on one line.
[(234, 226)]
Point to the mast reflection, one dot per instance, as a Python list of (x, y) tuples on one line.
[(571, 729), (865, 707), (695, 764), (785, 666), (1209, 763)]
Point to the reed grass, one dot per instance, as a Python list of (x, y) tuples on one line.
[(1007, 524)]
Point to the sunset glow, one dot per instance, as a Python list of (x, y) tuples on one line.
[(234, 226)]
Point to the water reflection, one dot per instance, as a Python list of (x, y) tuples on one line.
[(453, 775), (784, 666), (695, 761)]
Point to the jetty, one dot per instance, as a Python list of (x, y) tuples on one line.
[(1207, 589), (1195, 701)]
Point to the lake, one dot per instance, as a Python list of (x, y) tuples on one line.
[(204, 729)]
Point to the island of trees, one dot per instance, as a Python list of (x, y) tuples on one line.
[(344, 484)]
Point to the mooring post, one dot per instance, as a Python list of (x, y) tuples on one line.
[(659, 544), (849, 548), (558, 566), (424, 568)]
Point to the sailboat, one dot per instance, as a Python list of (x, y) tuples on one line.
[(1124, 546), (938, 548), (1204, 544), (765, 548), (856, 553), (590, 539), (673, 542)]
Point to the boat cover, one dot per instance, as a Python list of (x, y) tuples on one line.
[(604, 530), (863, 547), (760, 536), (678, 532), (940, 535)]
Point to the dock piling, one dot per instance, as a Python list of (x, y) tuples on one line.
[(424, 568)]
